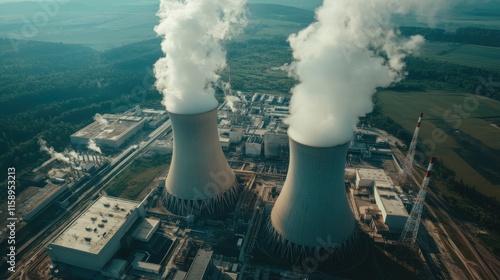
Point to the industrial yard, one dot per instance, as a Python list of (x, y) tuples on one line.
[(158, 236)]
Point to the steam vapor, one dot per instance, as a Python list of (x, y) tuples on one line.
[(101, 120), (192, 32), (341, 59), (93, 146), (230, 99), (50, 151)]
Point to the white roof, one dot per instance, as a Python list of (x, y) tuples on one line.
[(376, 175), (98, 224), (146, 229), (392, 203)]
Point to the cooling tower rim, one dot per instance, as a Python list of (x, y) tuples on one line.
[(193, 114), (314, 147)]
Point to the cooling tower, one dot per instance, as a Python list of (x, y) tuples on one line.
[(312, 217), (199, 181)]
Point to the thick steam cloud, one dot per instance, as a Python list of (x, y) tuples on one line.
[(93, 146), (50, 151), (340, 60), (192, 32)]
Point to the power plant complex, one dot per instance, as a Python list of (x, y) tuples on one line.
[(224, 208)]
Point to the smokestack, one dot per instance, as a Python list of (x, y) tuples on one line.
[(312, 209), (199, 181)]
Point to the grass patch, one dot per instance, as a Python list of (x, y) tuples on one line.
[(133, 181), (465, 54), (492, 240), (468, 145)]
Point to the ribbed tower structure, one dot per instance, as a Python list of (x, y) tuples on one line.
[(199, 181), (312, 217)]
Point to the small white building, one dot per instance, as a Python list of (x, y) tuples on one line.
[(367, 177), (393, 211)]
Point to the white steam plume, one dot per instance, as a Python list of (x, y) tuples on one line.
[(230, 100), (93, 146), (341, 59), (50, 151), (192, 32), (101, 120)]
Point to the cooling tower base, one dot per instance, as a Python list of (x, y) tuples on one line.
[(325, 254), (212, 206)]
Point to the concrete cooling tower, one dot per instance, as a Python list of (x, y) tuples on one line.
[(199, 181), (312, 217)]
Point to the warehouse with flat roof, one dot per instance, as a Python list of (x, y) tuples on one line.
[(113, 133), (92, 239)]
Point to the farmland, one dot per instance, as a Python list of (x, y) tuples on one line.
[(465, 54)]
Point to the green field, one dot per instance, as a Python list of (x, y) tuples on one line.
[(133, 182), (467, 142), (466, 54)]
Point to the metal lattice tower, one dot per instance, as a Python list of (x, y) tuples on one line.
[(408, 161), (410, 231)]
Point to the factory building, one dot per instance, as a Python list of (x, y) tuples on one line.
[(236, 134), (367, 178), (392, 209), (313, 206), (275, 144), (162, 147), (199, 180), (94, 237), (275, 137), (36, 199), (253, 146), (202, 267), (119, 129), (394, 214)]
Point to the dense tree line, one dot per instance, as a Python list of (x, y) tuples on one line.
[(465, 35), (51, 90)]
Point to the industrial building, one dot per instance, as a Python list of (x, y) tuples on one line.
[(253, 146), (394, 214), (199, 180), (391, 207), (119, 128), (94, 237), (368, 177), (35, 199), (202, 266), (162, 147), (313, 206)]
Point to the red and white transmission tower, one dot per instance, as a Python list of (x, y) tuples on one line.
[(410, 231), (408, 161)]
